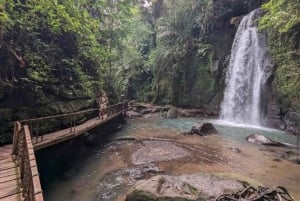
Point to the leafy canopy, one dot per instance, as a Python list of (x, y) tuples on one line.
[(282, 15)]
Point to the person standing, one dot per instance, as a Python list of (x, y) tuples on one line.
[(104, 105), (101, 109)]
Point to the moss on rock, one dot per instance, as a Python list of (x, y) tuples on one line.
[(137, 195)]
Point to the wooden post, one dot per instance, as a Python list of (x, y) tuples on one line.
[(15, 139), (31, 129), (74, 123), (42, 136), (37, 132), (71, 123)]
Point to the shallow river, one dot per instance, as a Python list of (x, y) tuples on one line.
[(94, 168)]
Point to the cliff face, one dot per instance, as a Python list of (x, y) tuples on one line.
[(191, 51), (284, 108)]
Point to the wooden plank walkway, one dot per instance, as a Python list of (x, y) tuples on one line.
[(68, 133), (19, 176), (10, 184)]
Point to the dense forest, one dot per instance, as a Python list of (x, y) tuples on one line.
[(58, 56)]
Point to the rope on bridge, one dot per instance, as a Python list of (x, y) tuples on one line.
[(25, 158), (35, 124), (110, 108)]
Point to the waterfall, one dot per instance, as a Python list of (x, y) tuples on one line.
[(246, 75)]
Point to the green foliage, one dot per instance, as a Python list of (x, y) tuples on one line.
[(282, 21), (161, 53), (60, 42), (164, 56), (53, 52), (180, 58), (132, 73), (281, 15), (287, 60)]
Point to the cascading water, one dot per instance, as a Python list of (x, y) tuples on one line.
[(246, 75)]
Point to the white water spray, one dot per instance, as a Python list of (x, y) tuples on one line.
[(246, 76)]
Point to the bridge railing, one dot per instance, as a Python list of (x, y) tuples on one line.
[(70, 120), (25, 158)]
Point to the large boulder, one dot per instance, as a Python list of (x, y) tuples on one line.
[(172, 113), (203, 129), (131, 113), (203, 187), (261, 139), (190, 112), (183, 188)]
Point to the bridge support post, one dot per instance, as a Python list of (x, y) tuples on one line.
[(73, 126), (37, 132), (15, 139)]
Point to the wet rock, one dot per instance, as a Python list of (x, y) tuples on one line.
[(172, 113), (203, 129), (152, 115), (283, 156), (297, 161), (183, 188), (154, 151), (126, 138), (113, 182), (152, 169), (146, 108), (151, 110), (186, 133), (131, 113), (261, 139), (235, 21), (139, 107), (290, 152), (190, 112), (147, 111), (235, 150), (163, 114), (277, 159), (258, 139)]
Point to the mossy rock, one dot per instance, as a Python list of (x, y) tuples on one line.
[(172, 113), (188, 187), (137, 195)]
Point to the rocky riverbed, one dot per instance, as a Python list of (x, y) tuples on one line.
[(155, 148)]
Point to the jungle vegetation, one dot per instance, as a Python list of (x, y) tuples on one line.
[(59, 55)]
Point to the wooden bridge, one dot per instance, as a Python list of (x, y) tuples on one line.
[(19, 177)]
